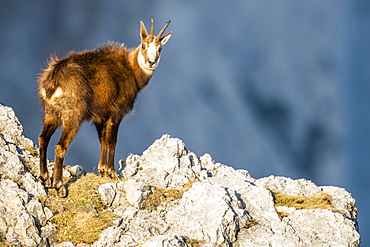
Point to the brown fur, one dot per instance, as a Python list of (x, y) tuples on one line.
[(99, 86)]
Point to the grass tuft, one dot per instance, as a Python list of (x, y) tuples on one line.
[(80, 217), (321, 200), (32, 150), (252, 222), (195, 242), (165, 196)]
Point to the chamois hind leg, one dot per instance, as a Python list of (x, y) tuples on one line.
[(50, 126), (70, 129)]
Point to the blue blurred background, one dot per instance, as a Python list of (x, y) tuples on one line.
[(273, 87)]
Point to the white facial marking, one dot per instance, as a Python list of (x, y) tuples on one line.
[(152, 52), (148, 59), (141, 60), (143, 64)]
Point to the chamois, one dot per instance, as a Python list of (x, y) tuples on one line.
[(101, 86)]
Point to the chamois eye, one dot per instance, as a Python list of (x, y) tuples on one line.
[(159, 49), (143, 46)]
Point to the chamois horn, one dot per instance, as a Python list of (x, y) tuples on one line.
[(151, 27), (162, 31)]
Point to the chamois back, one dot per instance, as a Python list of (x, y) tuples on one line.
[(93, 83)]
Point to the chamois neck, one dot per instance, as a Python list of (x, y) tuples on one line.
[(142, 76)]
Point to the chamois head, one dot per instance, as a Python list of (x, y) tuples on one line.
[(150, 49)]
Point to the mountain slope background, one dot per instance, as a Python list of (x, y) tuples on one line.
[(273, 88)]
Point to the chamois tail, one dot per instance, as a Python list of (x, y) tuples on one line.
[(50, 80)]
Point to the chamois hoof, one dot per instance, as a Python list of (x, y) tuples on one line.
[(108, 174), (46, 182), (103, 173), (62, 191), (112, 174)]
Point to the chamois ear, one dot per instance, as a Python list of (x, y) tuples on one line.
[(143, 32), (165, 38)]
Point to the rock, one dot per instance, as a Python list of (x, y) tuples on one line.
[(170, 197), (210, 213), (107, 193), (64, 244), (289, 186), (223, 206), (342, 201), (320, 226), (136, 192), (109, 237), (21, 215), (165, 241), (32, 186), (166, 163), (76, 170)]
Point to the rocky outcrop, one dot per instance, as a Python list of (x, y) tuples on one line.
[(24, 220), (223, 206), (171, 197)]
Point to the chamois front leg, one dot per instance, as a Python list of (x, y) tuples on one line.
[(100, 127), (112, 141), (44, 138), (107, 132)]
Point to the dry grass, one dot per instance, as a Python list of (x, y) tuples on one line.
[(32, 150), (195, 242), (321, 200), (165, 196), (5, 245), (251, 223), (80, 217)]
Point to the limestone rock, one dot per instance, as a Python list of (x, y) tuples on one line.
[(222, 207), (320, 226), (136, 192), (289, 186), (210, 213), (171, 197), (107, 193), (76, 171), (165, 241), (23, 217)]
